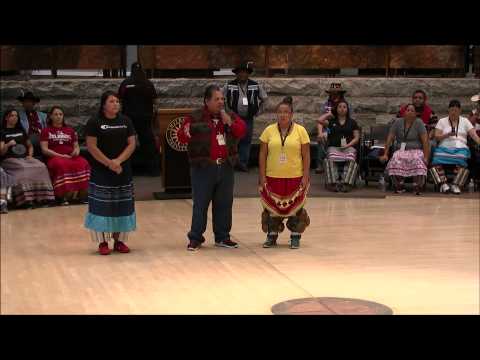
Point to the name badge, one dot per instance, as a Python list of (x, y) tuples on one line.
[(343, 142), (283, 158), (403, 145), (220, 139), (244, 101)]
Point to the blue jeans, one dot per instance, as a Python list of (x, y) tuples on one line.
[(245, 144), (213, 183)]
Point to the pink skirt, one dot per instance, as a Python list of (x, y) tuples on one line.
[(339, 154), (407, 163)]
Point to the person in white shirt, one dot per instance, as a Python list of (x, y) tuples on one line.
[(451, 132)]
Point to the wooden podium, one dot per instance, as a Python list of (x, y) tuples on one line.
[(175, 165)]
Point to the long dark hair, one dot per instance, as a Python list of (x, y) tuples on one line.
[(50, 112), (335, 110), (104, 98), (414, 108), (18, 125)]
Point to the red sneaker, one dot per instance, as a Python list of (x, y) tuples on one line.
[(120, 247), (103, 248)]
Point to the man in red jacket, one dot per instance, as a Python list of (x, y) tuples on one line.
[(212, 136), (424, 111)]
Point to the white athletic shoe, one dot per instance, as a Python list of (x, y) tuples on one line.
[(456, 190), (444, 188)]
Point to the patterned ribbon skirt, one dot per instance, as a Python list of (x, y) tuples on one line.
[(448, 156), (283, 196), (407, 163), (111, 205)]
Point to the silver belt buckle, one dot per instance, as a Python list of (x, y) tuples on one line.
[(219, 161)]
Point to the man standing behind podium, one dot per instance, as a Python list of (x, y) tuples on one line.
[(212, 136), (137, 94)]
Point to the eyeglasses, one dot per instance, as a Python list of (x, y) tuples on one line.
[(418, 97)]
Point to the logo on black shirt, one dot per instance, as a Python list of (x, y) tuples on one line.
[(106, 127)]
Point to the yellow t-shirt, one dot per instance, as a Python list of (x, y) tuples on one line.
[(292, 166)]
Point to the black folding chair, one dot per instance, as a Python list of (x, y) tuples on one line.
[(374, 147), (474, 165)]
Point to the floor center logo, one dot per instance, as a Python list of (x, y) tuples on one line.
[(171, 134)]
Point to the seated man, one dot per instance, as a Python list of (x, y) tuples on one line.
[(424, 112), (32, 121), (451, 132)]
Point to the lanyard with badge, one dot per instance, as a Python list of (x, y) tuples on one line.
[(220, 137), (283, 155), (403, 145), (343, 139), (454, 130), (244, 97)]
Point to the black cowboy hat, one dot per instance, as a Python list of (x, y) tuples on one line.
[(244, 66), (335, 87), (28, 96)]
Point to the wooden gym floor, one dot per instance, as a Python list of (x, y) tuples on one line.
[(414, 255)]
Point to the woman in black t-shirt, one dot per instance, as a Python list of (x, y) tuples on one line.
[(111, 142), (30, 176), (343, 136)]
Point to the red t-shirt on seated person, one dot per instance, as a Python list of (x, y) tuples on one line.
[(60, 140)]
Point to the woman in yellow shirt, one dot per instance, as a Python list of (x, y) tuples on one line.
[(284, 176)]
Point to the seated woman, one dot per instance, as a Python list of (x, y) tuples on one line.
[(70, 172), (6, 182), (30, 176), (284, 176), (343, 135), (408, 160), (451, 132)]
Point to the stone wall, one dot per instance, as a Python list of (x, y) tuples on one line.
[(374, 100)]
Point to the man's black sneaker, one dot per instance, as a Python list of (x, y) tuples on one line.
[(194, 245), (227, 243)]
